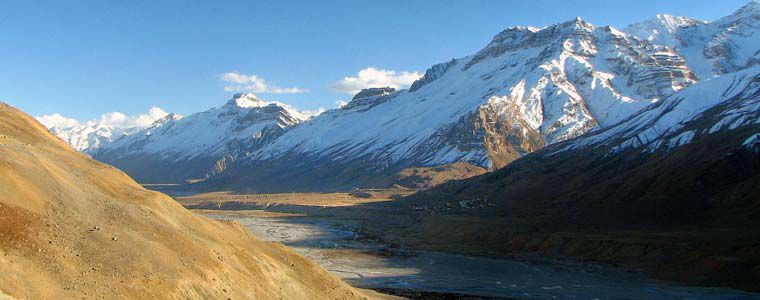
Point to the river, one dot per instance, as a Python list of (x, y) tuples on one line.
[(374, 265)]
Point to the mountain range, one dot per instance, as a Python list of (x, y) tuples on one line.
[(527, 89), (176, 149)]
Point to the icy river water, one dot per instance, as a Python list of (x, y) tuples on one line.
[(372, 265)]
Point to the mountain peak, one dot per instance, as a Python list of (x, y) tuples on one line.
[(521, 37), (167, 118), (523, 28), (246, 100), (577, 24), (672, 22), (753, 6), (245, 96), (662, 29), (751, 11)]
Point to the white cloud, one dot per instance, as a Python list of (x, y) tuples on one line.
[(314, 112), (372, 77), (252, 83), (120, 120), (112, 119), (340, 103), (57, 120)]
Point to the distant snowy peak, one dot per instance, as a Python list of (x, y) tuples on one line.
[(671, 22), (244, 116), (240, 113), (91, 135), (250, 101), (202, 143), (748, 13), (713, 48), (109, 127), (246, 100), (662, 30)]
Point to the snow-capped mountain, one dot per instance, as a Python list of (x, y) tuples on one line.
[(526, 89), (723, 46), (91, 135), (176, 149)]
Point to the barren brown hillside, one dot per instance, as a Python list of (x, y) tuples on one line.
[(71, 227)]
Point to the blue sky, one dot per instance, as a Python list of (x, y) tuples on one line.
[(85, 58)]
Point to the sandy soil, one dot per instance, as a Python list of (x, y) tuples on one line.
[(73, 228)]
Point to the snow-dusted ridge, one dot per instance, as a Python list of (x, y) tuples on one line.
[(543, 85), (726, 102), (91, 135), (210, 133)]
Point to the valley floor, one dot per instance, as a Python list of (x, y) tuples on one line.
[(335, 239)]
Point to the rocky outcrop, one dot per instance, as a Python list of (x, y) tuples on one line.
[(373, 92), (432, 74), (368, 98)]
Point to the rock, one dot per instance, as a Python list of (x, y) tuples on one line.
[(370, 92)]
